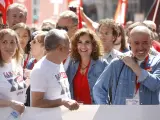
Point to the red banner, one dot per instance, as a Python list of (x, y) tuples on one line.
[(120, 15), (3, 8)]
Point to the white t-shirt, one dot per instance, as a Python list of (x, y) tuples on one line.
[(51, 79), (12, 85)]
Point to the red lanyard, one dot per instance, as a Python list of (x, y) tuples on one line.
[(145, 67), (25, 62), (33, 64)]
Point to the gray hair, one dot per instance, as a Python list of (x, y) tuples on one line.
[(69, 14), (17, 5), (141, 29), (54, 38)]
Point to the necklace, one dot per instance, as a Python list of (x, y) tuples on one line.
[(83, 68)]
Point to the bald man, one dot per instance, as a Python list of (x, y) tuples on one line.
[(132, 79)]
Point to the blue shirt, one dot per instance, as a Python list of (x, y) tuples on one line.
[(95, 69), (117, 83)]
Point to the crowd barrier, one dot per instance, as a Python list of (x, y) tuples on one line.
[(89, 112)]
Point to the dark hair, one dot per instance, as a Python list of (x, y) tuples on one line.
[(123, 39), (24, 26), (96, 51)]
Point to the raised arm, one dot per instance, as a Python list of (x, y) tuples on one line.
[(90, 23)]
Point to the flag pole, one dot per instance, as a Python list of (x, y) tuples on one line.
[(155, 13)]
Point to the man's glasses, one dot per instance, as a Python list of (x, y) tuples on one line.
[(65, 27), (62, 28), (2, 26)]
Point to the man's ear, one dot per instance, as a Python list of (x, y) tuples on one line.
[(60, 48)]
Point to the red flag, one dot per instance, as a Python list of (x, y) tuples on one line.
[(154, 13), (121, 10), (79, 4), (3, 8), (79, 15)]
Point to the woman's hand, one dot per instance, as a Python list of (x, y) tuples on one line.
[(18, 106)]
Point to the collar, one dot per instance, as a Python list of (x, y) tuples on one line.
[(113, 54)]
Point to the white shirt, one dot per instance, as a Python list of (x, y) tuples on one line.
[(113, 54), (51, 79), (12, 85), (136, 96)]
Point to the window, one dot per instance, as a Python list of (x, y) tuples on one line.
[(34, 11), (35, 2)]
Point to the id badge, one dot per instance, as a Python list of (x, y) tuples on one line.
[(132, 101)]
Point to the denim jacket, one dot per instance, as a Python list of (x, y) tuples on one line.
[(95, 69), (117, 83)]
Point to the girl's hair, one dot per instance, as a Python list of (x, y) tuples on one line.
[(24, 26), (96, 45), (18, 54)]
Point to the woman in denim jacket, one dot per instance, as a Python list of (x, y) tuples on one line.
[(85, 66)]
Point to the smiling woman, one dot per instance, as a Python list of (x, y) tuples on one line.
[(85, 65), (12, 85)]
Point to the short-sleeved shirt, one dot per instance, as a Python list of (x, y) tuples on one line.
[(12, 85), (51, 79)]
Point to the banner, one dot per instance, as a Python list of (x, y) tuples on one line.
[(89, 112)]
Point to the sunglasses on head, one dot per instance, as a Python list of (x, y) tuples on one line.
[(62, 28), (2, 26)]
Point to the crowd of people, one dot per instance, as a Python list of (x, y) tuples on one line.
[(58, 64)]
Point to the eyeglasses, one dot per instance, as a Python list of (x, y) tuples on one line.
[(2, 26), (62, 28)]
